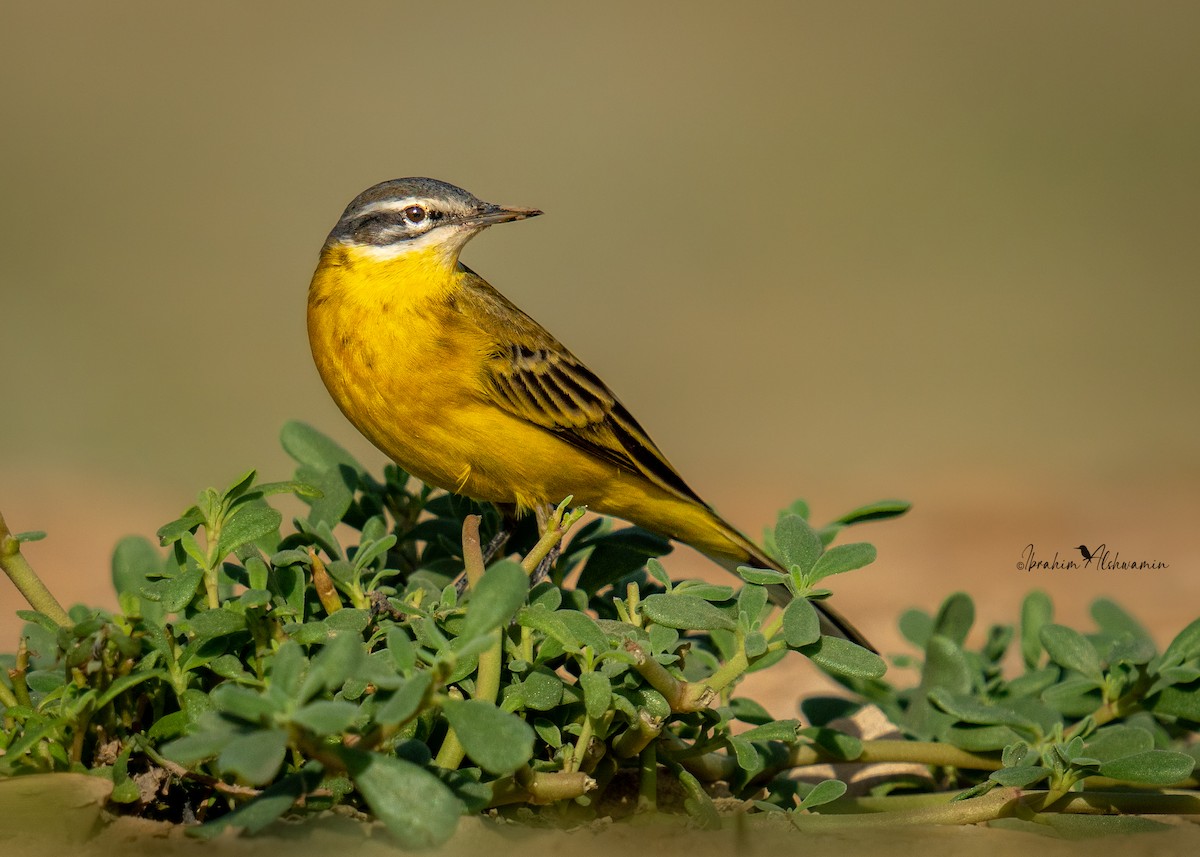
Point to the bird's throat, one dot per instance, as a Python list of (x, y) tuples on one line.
[(371, 280)]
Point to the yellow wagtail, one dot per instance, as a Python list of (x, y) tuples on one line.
[(468, 393)]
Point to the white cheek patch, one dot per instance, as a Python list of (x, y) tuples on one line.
[(448, 241)]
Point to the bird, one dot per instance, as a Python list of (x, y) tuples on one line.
[(1087, 554), (466, 392)]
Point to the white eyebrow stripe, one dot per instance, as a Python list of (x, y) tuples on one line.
[(392, 205)]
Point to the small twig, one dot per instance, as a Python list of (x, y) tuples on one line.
[(994, 804), (26, 580), (921, 753), (180, 772), (719, 766), (18, 672), (681, 695), (557, 526)]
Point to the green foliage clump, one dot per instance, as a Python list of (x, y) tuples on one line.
[(251, 672)]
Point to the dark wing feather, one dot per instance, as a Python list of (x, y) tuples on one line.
[(531, 375)]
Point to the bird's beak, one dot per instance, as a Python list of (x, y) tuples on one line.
[(489, 214)]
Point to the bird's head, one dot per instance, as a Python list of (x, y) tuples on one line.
[(417, 218)]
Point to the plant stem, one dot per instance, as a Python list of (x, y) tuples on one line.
[(719, 766), (451, 753), (1108, 803), (472, 550), (174, 768), (487, 676), (26, 580), (994, 804), (730, 670), (559, 524), (641, 733), (926, 753), (680, 694), (575, 761), (540, 787), (18, 672)]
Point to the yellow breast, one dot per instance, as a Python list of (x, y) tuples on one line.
[(387, 347)]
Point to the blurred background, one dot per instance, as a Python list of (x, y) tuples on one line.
[(836, 251)]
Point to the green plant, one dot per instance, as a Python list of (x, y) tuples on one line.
[(249, 672)]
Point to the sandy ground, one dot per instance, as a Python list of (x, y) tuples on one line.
[(39, 833)]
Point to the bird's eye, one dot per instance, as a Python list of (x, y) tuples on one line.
[(414, 214)]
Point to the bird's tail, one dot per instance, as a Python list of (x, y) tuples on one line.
[(833, 623)]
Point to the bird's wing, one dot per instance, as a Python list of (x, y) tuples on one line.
[(533, 376)]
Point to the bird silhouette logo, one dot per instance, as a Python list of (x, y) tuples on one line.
[(1087, 554)]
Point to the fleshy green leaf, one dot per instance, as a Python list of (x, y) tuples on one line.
[(697, 803), (247, 523), (1156, 767), (1036, 611), (969, 709), (597, 693), (798, 543), (496, 598), (174, 593), (1021, 776), (842, 558), (1184, 647), (405, 700), (497, 741), (216, 623), (838, 744), (801, 624), (822, 793), (187, 522), (133, 560), (841, 657), (878, 511), (762, 576), (917, 627), (254, 756), (955, 617), (325, 466), (197, 747), (244, 703), (326, 716), (1112, 618), (1116, 741), (1179, 700), (776, 730), (686, 612), (541, 690), (1070, 649), (584, 629), (417, 807)]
